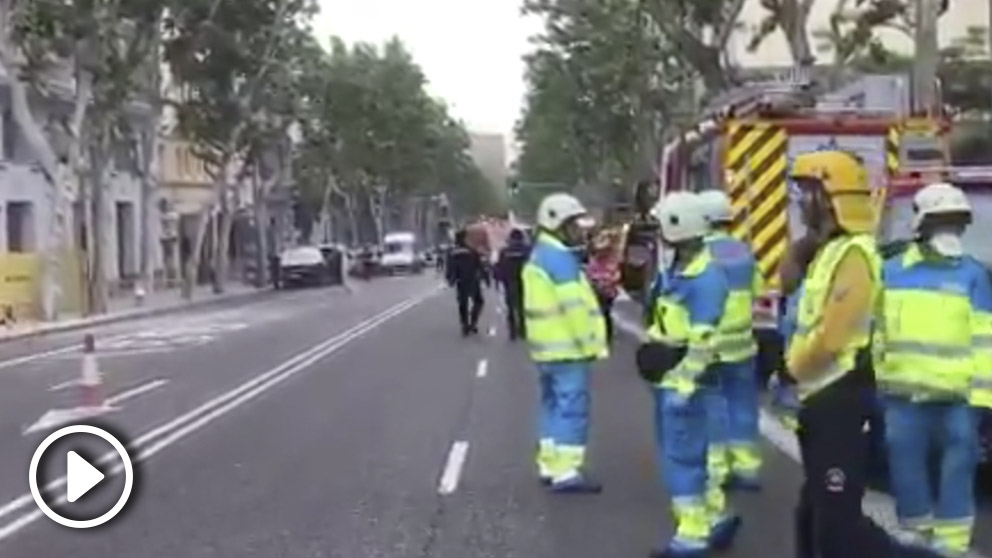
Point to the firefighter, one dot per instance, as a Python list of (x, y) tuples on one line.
[(508, 271), (565, 332), (465, 271), (829, 355), (690, 295), (734, 456), (933, 361)]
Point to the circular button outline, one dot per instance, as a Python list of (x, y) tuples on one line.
[(58, 435)]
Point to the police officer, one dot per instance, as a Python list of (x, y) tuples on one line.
[(508, 271), (690, 296), (829, 354), (933, 355), (465, 271), (565, 333), (734, 453)]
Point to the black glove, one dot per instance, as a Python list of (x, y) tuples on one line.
[(654, 360)]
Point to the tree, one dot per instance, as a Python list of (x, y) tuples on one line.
[(223, 53), (108, 46), (600, 86), (375, 143)]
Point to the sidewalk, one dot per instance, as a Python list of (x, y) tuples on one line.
[(126, 308)]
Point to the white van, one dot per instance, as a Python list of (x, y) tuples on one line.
[(400, 255)]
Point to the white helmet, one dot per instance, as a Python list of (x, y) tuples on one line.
[(681, 216), (939, 199), (716, 206), (558, 208)]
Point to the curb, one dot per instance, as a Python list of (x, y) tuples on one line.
[(137, 313)]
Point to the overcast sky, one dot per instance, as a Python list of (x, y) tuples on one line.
[(470, 50)]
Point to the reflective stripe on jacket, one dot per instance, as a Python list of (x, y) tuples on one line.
[(687, 309), (934, 337), (735, 335), (562, 314), (816, 288)]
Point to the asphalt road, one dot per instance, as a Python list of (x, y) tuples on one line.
[(321, 424)]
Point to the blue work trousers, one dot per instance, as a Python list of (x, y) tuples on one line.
[(681, 429), (734, 404), (916, 431), (564, 408)]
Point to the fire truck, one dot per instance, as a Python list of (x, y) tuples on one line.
[(745, 146)]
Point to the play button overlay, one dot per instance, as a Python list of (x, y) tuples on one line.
[(81, 476)]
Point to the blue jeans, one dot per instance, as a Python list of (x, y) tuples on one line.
[(564, 408), (910, 429), (681, 430)]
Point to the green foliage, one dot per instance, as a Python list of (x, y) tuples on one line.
[(237, 62), (369, 123), (596, 94)]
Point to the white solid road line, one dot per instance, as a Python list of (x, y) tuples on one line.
[(876, 505), (10, 363), (482, 368), (167, 434), (136, 391), (453, 468)]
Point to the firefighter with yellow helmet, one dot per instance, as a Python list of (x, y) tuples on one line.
[(689, 297), (830, 358), (565, 334), (933, 349), (734, 456)]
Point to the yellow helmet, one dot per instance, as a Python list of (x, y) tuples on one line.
[(845, 182)]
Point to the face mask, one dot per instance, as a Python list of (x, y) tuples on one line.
[(947, 244)]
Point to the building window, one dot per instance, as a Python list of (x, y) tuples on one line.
[(20, 227)]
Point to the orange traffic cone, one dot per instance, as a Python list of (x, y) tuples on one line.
[(91, 380)]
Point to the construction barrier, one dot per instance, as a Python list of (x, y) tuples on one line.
[(20, 285)]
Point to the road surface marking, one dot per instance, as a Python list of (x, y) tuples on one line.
[(136, 391), (169, 433), (71, 383), (482, 368), (492, 331), (38, 356), (878, 506), (453, 468), (59, 417)]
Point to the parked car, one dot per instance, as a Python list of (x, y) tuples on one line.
[(304, 266)]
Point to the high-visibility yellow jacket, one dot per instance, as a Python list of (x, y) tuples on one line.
[(688, 306), (933, 338), (735, 334), (839, 292), (563, 318)]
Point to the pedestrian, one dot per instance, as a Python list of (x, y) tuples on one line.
[(603, 270), (465, 271), (509, 268), (933, 362), (690, 295), (734, 455), (829, 355), (565, 333)]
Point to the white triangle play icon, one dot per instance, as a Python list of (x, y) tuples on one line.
[(81, 477)]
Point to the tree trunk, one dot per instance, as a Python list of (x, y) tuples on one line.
[(222, 226), (351, 213), (149, 184), (193, 263), (99, 157)]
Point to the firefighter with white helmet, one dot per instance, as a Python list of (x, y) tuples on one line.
[(690, 294), (734, 456), (565, 333), (933, 351)]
